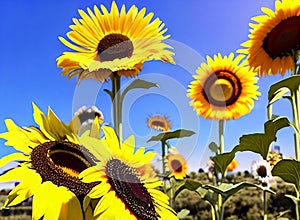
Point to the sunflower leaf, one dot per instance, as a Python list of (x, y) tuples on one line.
[(214, 147), (164, 136), (260, 142), (289, 171), (183, 213), (228, 189), (292, 83), (278, 95), (138, 84), (222, 161), (189, 185)]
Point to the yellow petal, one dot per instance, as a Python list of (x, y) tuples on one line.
[(13, 157)]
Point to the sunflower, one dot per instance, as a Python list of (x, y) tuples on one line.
[(233, 165), (128, 183), (87, 119), (50, 159), (274, 39), (261, 170), (116, 41), (176, 164), (160, 123), (224, 88)]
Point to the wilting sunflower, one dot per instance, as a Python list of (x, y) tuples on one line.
[(115, 41), (176, 164), (128, 183), (51, 159), (87, 119), (157, 122), (224, 88), (275, 39)]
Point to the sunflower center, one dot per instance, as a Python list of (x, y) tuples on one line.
[(61, 162), (176, 166), (125, 182), (283, 38), (222, 88), (262, 171), (114, 46)]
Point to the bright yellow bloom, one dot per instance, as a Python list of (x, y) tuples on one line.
[(176, 164), (224, 88), (116, 41), (158, 122), (50, 161), (274, 39), (128, 183)]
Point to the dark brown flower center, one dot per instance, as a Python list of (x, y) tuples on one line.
[(262, 171), (222, 88), (61, 162), (125, 182), (114, 46), (176, 166), (283, 38)]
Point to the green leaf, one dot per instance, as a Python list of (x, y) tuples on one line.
[(228, 189), (189, 185), (260, 142), (214, 147), (293, 198), (289, 171), (138, 84), (164, 136), (292, 83), (278, 95), (183, 213), (222, 161)]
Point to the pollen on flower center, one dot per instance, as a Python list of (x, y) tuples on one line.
[(222, 88), (125, 182), (60, 163), (114, 46), (283, 38), (176, 165)]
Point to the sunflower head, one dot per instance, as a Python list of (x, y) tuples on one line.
[(115, 42), (160, 123), (128, 183), (261, 170), (274, 39), (176, 164), (224, 88)]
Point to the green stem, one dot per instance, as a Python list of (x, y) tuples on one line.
[(270, 111), (117, 106), (213, 212), (297, 205), (265, 204), (172, 193), (295, 105), (221, 137), (163, 154)]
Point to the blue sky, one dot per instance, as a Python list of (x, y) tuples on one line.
[(30, 46)]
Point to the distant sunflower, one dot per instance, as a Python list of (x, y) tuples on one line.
[(128, 183), (233, 165), (116, 41), (50, 161), (275, 39), (261, 170), (157, 122), (224, 88), (176, 164)]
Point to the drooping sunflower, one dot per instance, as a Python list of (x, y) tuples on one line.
[(224, 88), (176, 164), (274, 39), (50, 159), (116, 41), (87, 119), (128, 183), (160, 123)]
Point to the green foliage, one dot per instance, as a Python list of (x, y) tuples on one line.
[(164, 136), (189, 185), (289, 171), (222, 161), (213, 147), (183, 213), (260, 142)]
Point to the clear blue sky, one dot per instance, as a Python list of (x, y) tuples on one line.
[(30, 46)]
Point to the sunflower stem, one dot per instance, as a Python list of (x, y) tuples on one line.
[(163, 154), (265, 205), (221, 137), (270, 111), (117, 105)]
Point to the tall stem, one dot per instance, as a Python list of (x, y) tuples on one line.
[(221, 136), (117, 106), (265, 204), (163, 154)]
